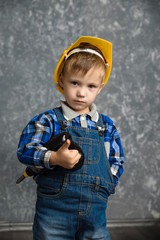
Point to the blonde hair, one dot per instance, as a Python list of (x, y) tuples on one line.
[(83, 61)]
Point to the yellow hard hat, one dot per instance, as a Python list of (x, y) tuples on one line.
[(104, 46)]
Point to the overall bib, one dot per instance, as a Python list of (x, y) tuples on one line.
[(71, 205)]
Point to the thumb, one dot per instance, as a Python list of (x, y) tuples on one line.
[(66, 144)]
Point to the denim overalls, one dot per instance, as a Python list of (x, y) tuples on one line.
[(71, 205)]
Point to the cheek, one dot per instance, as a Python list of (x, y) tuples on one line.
[(68, 92), (93, 93)]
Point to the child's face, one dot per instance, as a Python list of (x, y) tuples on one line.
[(81, 90)]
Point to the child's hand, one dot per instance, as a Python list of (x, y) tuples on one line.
[(65, 157)]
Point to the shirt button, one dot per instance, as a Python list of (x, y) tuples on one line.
[(83, 117)]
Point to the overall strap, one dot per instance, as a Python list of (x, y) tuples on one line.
[(100, 120), (61, 119), (100, 125), (59, 114)]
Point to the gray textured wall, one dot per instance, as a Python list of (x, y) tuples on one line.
[(33, 34)]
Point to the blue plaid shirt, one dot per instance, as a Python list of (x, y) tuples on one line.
[(41, 128)]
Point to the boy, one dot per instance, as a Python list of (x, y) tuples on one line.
[(71, 205)]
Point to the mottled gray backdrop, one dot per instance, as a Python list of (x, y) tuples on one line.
[(33, 34)]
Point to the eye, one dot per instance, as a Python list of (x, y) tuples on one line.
[(74, 83), (92, 86)]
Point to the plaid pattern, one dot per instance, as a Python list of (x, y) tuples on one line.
[(41, 128)]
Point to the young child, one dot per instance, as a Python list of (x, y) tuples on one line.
[(71, 204)]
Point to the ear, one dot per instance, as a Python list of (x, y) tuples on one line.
[(100, 87), (60, 80)]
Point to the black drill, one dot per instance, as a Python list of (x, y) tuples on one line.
[(54, 144)]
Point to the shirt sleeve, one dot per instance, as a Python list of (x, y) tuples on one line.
[(31, 150), (114, 151)]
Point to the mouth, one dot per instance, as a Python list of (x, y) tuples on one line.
[(79, 102)]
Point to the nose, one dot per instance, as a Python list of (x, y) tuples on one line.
[(81, 92)]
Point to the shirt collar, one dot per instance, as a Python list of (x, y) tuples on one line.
[(70, 114)]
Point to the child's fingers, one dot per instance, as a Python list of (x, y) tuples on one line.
[(67, 158), (66, 145)]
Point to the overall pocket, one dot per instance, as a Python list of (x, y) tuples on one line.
[(102, 194), (90, 148), (51, 187)]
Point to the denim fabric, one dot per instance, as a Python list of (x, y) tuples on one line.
[(71, 205)]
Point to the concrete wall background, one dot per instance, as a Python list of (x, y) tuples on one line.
[(33, 34)]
